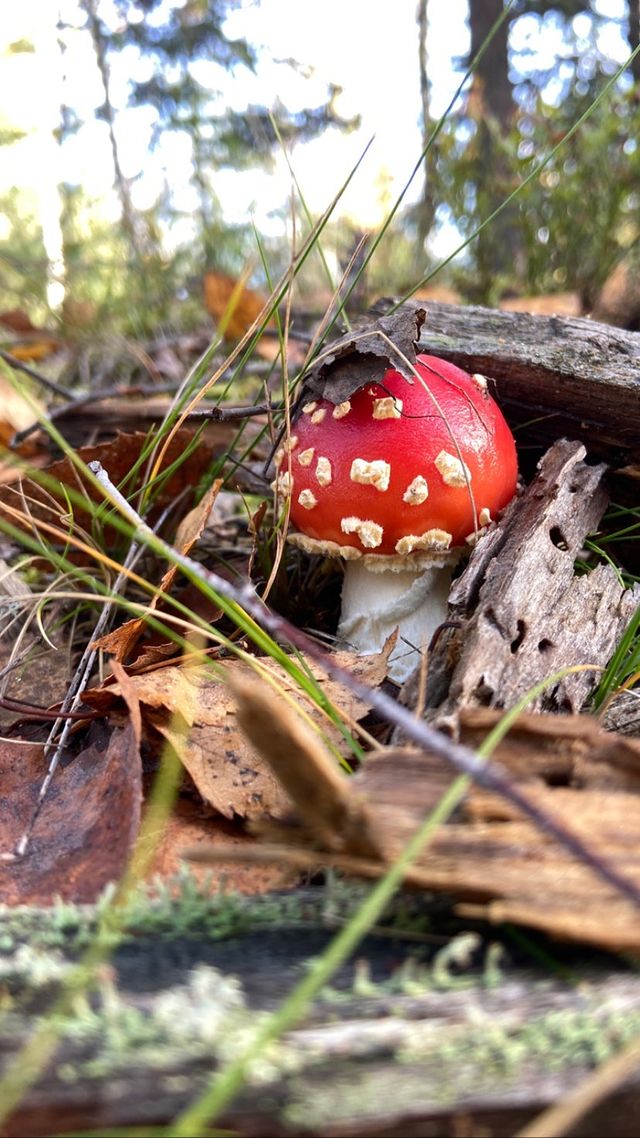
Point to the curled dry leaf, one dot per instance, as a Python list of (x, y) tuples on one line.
[(365, 355), (196, 713)]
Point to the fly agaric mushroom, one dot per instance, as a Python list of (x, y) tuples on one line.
[(397, 480)]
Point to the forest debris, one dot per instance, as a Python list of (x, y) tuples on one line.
[(546, 304), (563, 750), (119, 456), (521, 612), (489, 855), (194, 710), (191, 825), (87, 824), (561, 376), (121, 642), (231, 303), (363, 356), (304, 767)]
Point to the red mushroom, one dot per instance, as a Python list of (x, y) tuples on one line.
[(396, 480)]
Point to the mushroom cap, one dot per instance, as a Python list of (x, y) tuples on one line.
[(403, 467)]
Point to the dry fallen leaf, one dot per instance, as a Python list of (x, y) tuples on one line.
[(233, 306), (118, 458), (192, 826), (195, 712), (88, 823)]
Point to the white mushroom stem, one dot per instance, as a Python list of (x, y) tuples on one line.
[(375, 603)]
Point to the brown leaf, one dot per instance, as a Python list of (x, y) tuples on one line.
[(550, 304), (88, 823), (364, 355), (17, 320), (118, 457), (233, 306), (197, 715), (192, 827)]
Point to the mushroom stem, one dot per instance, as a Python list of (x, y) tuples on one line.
[(375, 604)]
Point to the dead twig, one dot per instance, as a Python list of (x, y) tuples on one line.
[(561, 1118), (44, 380)]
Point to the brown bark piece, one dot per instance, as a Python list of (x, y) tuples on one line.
[(523, 612), (490, 856)]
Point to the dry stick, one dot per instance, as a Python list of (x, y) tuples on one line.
[(466, 761), (75, 403), (33, 711), (222, 414), (50, 384), (559, 1119)]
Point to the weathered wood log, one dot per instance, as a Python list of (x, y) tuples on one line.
[(519, 611), (442, 1044), (560, 376)]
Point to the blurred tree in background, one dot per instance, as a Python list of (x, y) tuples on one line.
[(568, 228), (160, 68), (174, 55)]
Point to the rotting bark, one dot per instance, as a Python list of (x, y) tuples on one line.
[(401, 1045), (562, 377), (519, 613)]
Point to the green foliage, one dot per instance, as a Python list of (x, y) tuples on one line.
[(567, 228), (582, 210), (574, 220), (23, 266)]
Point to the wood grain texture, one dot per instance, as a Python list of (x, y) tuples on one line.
[(519, 610)]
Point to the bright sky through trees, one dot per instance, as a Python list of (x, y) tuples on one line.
[(366, 49)]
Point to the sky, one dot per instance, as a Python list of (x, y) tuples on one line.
[(352, 43), (370, 50)]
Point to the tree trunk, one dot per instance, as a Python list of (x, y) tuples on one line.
[(50, 203), (491, 106), (130, 221), (425, 207), (633, 36)]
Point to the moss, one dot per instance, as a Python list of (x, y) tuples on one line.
[(447, 1065), (187, 907)]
